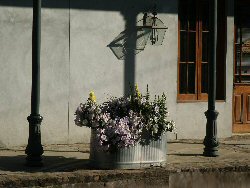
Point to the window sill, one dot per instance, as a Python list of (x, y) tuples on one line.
[(241, 84), (197, 101)]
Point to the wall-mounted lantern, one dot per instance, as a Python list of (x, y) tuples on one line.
[(157, 27), (149, 28), (135, 41)]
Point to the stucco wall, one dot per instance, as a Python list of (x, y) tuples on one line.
[(15, 76), (75, 59)]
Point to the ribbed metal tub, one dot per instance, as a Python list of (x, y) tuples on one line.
[(154, 154)]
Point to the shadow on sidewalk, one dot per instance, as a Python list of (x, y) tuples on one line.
[(186, 154), (185, 141), (51, 164)]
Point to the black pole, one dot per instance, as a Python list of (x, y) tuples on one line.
[(34, 149), (210, 141)]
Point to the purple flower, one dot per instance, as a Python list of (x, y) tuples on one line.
[(120, 122)]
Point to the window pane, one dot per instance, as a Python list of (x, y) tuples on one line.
[(183, 46), (191, 51), (192, 46), (245, 79), (205, 44), (245, 64), (237, 79), (246, 35), (243, 55), (192, 15), (205, 15), (183, 78), (238, 58), (191, 78), (183, 15), (238, 33), (184, 24), (187, 78), (204, 78)]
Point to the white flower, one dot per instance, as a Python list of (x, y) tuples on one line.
[(157, 109), (104, 137), (143, 100), (155, 119), (106, 117), (168, 126)]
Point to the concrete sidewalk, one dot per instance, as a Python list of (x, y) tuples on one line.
[(67, 166)]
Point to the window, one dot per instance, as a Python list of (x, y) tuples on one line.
[(193, 50), (242, 43)]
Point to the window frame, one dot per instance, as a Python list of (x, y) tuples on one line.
[(198, 96)]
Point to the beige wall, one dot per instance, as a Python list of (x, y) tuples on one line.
[(75, 59)]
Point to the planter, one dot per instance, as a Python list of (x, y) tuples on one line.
[(138, 156)]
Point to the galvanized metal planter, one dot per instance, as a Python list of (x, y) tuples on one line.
[(154, 154)]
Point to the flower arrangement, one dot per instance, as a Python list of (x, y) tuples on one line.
[(125, 121)]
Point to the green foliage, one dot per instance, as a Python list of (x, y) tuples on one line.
[(154, 114)]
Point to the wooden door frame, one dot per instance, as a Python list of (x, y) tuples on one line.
[(244, 125)]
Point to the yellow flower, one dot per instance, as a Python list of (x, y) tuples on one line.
[(92, 96), (137, 92)]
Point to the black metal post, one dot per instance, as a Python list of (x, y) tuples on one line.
[(34, 149), (210, 141)]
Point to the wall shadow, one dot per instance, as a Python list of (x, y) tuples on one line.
[(128, 8), (103, 5), (129, 61)]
